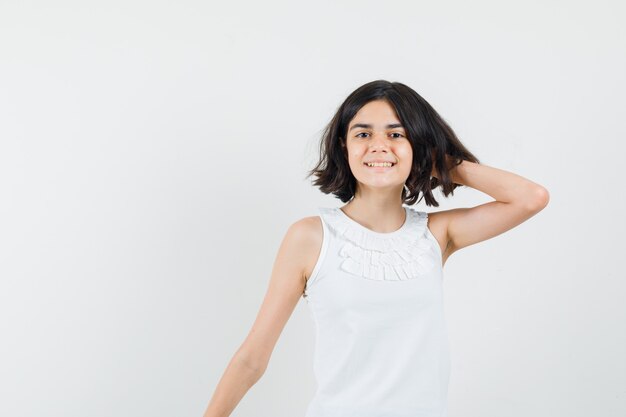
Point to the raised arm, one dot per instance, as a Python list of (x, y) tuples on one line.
[(295, 256), (516, 200)]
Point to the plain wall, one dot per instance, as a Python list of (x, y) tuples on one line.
[(153, 155)]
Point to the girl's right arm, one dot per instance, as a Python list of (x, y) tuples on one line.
[(296, 257), (237, 379)]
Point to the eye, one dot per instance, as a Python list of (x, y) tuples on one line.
[(365, 133)]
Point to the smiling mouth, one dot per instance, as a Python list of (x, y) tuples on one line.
[(379, 166)]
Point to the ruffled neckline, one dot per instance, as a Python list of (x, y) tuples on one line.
[(399, 255)]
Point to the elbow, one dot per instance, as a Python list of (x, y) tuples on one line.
[(538, 199), (252, 363)]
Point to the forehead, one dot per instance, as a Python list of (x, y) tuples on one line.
[(377, 112)]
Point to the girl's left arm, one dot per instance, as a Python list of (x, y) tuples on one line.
[(516, 200)]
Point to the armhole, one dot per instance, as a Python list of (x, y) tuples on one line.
[(320, 258), (434, 240)]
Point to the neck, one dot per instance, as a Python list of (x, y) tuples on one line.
[(378, 213)]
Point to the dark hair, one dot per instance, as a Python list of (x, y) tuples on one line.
[(428, 133)]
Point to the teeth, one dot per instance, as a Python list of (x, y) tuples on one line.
[(379, 164)]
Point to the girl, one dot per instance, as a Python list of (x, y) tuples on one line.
[(371, 271)]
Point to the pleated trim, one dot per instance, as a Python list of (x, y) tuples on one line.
[(401, 255)]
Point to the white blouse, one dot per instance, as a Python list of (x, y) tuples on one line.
[(381, 347)]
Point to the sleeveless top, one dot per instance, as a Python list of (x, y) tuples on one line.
[(381, 343)]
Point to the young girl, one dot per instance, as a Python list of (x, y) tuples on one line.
[(371, 270)]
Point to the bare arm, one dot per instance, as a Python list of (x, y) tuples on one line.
[(516, 200), (285, 289), (237, 379)]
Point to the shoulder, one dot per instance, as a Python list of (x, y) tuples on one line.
[(438, 222), (438, 219), (306, 234), (307, 229)]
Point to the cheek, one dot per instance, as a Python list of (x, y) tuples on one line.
[(405, 154), (353, 161), (406, 157), (355, 156)]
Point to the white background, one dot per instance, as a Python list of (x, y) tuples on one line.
[(153, 154)]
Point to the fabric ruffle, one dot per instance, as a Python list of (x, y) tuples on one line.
[(401, 255)]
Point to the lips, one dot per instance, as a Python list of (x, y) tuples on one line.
[(379, 162)]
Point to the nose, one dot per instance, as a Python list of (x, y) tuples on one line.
[(379, 141)]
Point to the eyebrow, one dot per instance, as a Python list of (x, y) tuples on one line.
[(368, 126)]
